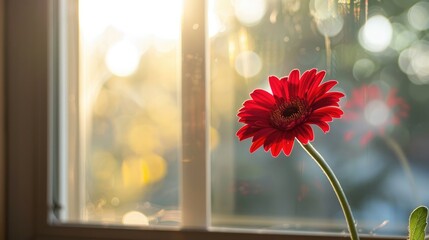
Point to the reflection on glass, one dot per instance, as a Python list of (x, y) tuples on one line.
[(378, 52)]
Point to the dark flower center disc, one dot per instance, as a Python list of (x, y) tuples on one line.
[(290, 111), (288, 114)]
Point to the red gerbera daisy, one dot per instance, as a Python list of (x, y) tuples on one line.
[(275, 120)]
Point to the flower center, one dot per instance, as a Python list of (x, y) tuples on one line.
[(290, 111), (289, 114)]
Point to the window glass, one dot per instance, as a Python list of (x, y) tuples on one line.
[(125, 123), (377, 50)]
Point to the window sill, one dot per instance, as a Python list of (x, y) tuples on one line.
[(68, 232)]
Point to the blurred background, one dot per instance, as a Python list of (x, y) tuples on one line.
[(129, 71)]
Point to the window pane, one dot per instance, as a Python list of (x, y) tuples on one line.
[(377, 51), (122, 113)]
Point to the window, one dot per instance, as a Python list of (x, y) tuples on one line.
[(138, 118), (120, 114)]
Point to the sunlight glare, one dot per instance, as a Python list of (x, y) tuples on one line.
[(214, 23), (92, 21), (148, 18), (134, 18)]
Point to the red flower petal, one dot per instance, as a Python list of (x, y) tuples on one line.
[(276, 148), (329, 99), (256, 144), (322, 89), (306, 79), (287, 147), (316, 80), (263, 98), (323, 125), (276, 86), (245, 132), (294, 83), (253, 112), (331, 111), (308, 132)]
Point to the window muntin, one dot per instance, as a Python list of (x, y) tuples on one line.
[(244, 50)]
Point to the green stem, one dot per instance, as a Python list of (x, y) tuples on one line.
[(337, 188)]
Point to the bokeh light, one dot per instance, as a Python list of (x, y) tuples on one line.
[(135, 218), (139, 172), (154, 168), (363, 68), (418, 16), (122, 59), (321, 9), (330, 26), (329, 22), (376, 34), (414, 61), (402, 37), (248, 64), (376, 112), (249, 13), (404, 61), (214, 138), (115, 201)]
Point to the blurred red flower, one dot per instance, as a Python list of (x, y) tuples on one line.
[(371, 111), (275, 120)]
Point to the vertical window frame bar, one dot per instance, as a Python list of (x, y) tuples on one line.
[(195, 178), (65, 179)]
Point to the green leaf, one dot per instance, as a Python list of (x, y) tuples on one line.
[(417, 227)]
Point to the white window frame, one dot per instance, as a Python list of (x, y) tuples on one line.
[(27, 67)]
